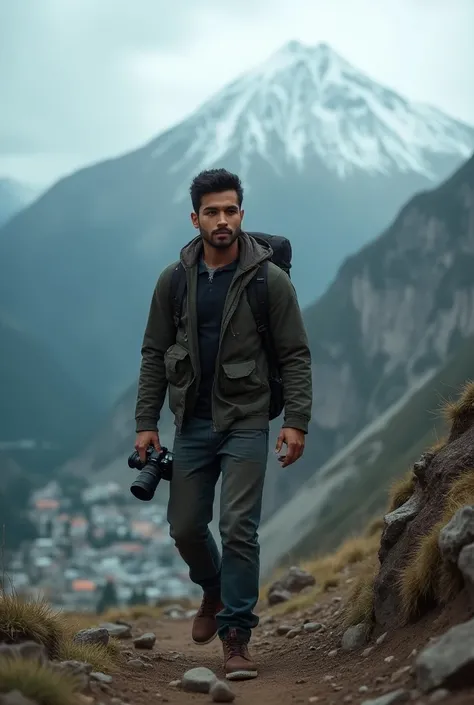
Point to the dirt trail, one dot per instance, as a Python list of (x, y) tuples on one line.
[(304, 669)]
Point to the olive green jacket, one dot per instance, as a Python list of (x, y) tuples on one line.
[(170, 358)]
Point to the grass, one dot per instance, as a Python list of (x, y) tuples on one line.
[(101, 658), (427, 578), (360, 603), (39, 683), (33, 620), (401, 491), (329, 570)]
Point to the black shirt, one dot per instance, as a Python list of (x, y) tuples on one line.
[(212, 290)]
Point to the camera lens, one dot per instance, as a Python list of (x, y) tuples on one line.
[(145, 485)]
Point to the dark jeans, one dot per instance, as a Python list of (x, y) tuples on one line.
[(200, 456)]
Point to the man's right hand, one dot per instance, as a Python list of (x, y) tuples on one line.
[(144, 440)]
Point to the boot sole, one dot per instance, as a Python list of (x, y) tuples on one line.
[(204, 643), (241, 675)]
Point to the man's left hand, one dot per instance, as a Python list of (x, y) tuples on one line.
[(293, 438)]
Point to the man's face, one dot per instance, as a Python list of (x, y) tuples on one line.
[(219, 219)]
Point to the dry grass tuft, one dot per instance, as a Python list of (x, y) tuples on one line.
[(39, 683), (328, 571), (375, 527), (360, 604), (101, 658), (401, 491), (454, 410), (427, 577), (33, 620)]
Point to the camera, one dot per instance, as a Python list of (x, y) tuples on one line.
[(158, 466)]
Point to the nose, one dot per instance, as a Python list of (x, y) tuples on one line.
[(222, 223)]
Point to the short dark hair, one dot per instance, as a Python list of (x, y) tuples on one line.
[(214, 181)]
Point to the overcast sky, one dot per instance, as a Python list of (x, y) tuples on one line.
[(81, 80)]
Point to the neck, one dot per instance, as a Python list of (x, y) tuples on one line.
[(214, 257)]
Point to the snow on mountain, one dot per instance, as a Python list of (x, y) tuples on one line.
[(308, 101)]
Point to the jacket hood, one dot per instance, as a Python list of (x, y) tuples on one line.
[(251, 252)]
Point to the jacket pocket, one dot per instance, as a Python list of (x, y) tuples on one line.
[(240, 379), (178, 366)]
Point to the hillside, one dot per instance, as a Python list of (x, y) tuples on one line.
[(352, 488), (337, 152), (13, 197)]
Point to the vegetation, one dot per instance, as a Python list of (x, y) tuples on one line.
[(101, 658), (39, 683), (33, 620)]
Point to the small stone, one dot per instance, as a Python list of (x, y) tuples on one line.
[(198, 680), (119, 631), (175, 684), (397, 675), (333, 652), (414, 653), (137, 664), (363, 689), (366, 652), (277, 596), (221, 693), (313, 699), (294, 632), (348, 698), (32, 651), (300, 681), (389, 659), (313, 627), (354, 637), (397, 696), (98, 635), (381, 639), (438, 695), (328, 678), (101, 677), (283, 629), (145, 641)]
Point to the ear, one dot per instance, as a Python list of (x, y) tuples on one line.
[(195, 220)]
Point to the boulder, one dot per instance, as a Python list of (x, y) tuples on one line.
[(449, 661), (295, 580), (459, 532)]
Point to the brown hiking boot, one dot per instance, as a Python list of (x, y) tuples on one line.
[(205, 624), (238, 664)]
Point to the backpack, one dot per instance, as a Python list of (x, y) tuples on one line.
[(257, 294)]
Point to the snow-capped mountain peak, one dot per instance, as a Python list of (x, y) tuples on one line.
[(306, 103)]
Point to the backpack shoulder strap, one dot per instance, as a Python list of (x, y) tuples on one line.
[(257, 294), (177, 292)]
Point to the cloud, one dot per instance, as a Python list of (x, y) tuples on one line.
[(85, 79)]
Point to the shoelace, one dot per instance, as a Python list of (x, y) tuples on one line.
[(235, 647)]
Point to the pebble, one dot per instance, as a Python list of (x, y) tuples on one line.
[(363, 689), (198, 680), (393, 698), (348, 698), (119, 631), (145, 641), (313, 627), (332, 653), (101, 677), (98, 635), (294, 632), (381, 639), (136, 664), (283, 629), (366, 652), (175, 684), (220, 692), (313, 699), (354, 637), (389, 659), (400, 673)]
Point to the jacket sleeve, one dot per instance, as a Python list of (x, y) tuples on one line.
[(160, 333), (291, 346)]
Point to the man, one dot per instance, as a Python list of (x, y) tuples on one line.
[(216, 372)]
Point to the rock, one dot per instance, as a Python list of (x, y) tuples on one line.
[(137, 664), (119, 631), (313, 627), (397, 675), (436, 479), (466, 566), (421, 467), (277, 596), (366, 652), (397, 696), (221, 693), (145, 641), (389, 659), (101, 677), (294, 632), (175, 684), (363, 689), (283, 629), (459, 532), (395, 523), (30, 650), (354, 637), (448, 661), (98, 635), (381, 639), (293, 582), (14, 697), (333, 652), (198, 680), (79, 669)]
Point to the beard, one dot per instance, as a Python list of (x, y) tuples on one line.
[(221, 239)]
